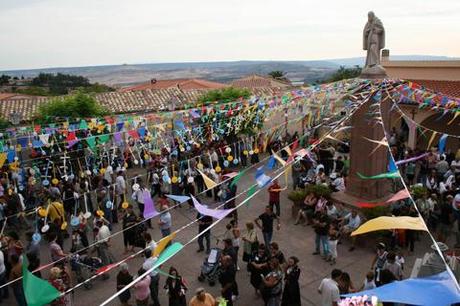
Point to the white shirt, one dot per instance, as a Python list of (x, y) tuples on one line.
[(103, 234), (353, 223), (329, 292), (2, 263), (108, 174), (339, 184), (148, 264), (120, 184)]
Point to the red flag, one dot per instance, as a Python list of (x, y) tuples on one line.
[(134, 134), (71, 136), (105, 268)]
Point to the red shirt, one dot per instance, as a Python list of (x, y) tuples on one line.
[(274, 196)]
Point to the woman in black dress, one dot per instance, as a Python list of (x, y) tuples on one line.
[(291, 292), (123, 279), (129, 232), (176, 288), (257, 267)]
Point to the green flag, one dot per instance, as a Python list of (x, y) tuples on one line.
[(83, 125), (251, 191), (91, 141), (237, 178), (37, 291), (104, 138), (390, 175)]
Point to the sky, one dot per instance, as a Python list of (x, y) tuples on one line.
[(67, 33)]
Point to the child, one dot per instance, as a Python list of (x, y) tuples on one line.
[(369, 282), (333, 238)]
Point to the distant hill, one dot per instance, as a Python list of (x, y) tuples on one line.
[(128, 74)]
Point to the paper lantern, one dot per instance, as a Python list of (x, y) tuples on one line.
[(64, 225), (256, 151), (136, 162), (100, 213), (229, 158), (45, 228), (226, 163), (124, 205), (136, 187), (109, 204), (200, 166), (218, 169), (55, 181), (102, 171), (174, 179), (45, 183), (235, 161), (74, 221), (181, 148), (36, 237), (245, 152), (190, 179), (189, 148), (228, 149), (251, 152)]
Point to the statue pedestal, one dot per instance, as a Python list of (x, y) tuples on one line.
[(374, 72), (362, 159)]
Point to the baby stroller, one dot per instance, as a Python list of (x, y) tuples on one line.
[(85, 267), (210, 269)]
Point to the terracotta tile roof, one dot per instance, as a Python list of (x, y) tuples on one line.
[(256, 81), (123, 102), (449, 88), (183, 84), (6, 95)]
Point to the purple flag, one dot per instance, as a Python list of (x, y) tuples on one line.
[(117, 137), (404, 161), (149, 208), (215, 213)]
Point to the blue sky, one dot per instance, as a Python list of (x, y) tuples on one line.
[(57, 33)]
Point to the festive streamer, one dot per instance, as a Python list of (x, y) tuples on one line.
[(178, 198), (163, 243), (400, 195), (433, 135), (279, 159), (408, 160), (149, 207), (442, 143), (37, 291), (388, 175), (210, 184)]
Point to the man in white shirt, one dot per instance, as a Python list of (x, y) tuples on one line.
[(165, 221), (149, 262), (103, 237), (120, 187), (350, 223), (108, 174), (329, 289)]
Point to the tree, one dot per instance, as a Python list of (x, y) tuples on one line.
[(4, 79), (278, 75), (344, 73), (224, 95), (62, 84), (79, 105)]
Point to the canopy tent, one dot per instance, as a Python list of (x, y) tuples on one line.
[(435, 290)]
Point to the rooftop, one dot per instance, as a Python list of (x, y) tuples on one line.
[(257, 81), (183, 84), (449, 88)]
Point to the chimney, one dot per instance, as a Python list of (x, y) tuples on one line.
[(385, 55)]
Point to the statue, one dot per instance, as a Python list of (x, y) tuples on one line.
[(373, 42)]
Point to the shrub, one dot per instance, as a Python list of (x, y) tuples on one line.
[(297, 195), (418, 191), (224, 95), (374, 212)]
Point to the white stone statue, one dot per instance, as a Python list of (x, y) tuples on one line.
[(373, 42)]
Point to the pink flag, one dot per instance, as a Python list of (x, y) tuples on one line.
[(400, 195), (215, 213), (149, 208)]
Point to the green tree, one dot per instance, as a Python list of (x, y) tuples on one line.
[(225, 95), (4, 79), (79, 105), (344, 73), (4, 123), (278, 75)]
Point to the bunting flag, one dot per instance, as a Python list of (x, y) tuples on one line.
[(38, 292), (379, 143), (261, 178), (390, 223), (178, 198), (210, 184), (44, 138), (392, 166), (251, 191), (286, 174), (91, 141), (389, 175), (163, 243), (442, 143), (104, 138), (455, 117), (2, 159), (117, 136), (279, 159), (149, 207), (433, 135), (400, 195), (408, 160), (271, 162), (288, 150), (237, 178), (215, 213)]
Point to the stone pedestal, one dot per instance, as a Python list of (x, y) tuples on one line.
[(374, 72), (361, 159)]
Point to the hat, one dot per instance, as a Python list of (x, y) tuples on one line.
[(199, 290), (441, 245)]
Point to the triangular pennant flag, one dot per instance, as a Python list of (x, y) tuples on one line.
[(215, 213), (261, 178), (279, 159), (83, 125), (11, 155), (141, 131), (71, 136), (392, 166), (103, 138), (104, 269), (431, 140), (38, 292), (149, 207), (36, 143), (117, 137), (288, 150), (210, 184), (44, 138), (23, 141), (442, 143), (2, 159), (91, 141), (453, 119), (237, 178), (133, 134), (271, 162), (251, 191), (178, 198), (163, 243)]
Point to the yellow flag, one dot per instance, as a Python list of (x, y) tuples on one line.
[(2, 159), (209, 183), (286, 175), (288, 150), (279, 159), (389, 223), (431, 140), (453, 119), (163, 243)]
